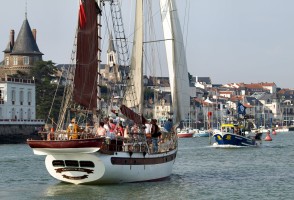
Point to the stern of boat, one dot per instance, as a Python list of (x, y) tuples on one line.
[(75, 168)]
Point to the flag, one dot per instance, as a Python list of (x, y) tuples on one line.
[(82, 15), (241, 109)]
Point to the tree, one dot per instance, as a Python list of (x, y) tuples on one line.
[(45, 73), (148, 93)]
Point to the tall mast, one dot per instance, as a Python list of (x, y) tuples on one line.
[(176, 60)]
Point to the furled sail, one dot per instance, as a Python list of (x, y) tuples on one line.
[(176, 60), (134, 93), (85, 81)]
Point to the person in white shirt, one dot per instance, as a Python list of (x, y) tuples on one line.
[(106, 126), (148, 129)]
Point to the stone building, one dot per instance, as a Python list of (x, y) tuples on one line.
[(22, 53), (111, 70)]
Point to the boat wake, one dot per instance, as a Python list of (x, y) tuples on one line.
[(227, 146)]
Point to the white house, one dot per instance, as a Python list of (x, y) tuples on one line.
[(17, 100)]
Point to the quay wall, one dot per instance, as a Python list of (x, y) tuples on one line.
[(18, 133)]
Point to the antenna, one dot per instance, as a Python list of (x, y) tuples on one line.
[(26, 9)]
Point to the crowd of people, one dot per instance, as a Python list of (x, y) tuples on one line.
[(109, 129)]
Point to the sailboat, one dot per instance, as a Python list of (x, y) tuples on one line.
[(102, 160)]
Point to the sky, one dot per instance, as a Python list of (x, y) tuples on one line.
[(229, 41)]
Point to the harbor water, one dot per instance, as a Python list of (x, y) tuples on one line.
[(200, 172)]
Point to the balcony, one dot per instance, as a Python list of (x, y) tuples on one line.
[(22, 122)]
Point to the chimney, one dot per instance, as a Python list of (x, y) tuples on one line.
[(12, 38), (35, 34)]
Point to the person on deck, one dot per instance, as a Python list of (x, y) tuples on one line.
[(154, 134), (120, 130), (167, 129), (111, 128), (101, 131), (106, 126), (168, 125), (72, 130), (135, 131), (126, 131), (86, 132), (148, 129)]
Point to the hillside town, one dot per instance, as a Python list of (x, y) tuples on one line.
[(210, 103)]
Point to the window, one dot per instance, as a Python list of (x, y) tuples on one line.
[(71, 163), (26, 60), (21, 97), (13, 116), (21, 114), (15, 61), (1, 93), (29, 97), (13, 96), (111, 58), (87, 164), (29, 114), (7, 61), (58, 163)]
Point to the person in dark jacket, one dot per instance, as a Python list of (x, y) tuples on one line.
[(155, 133)]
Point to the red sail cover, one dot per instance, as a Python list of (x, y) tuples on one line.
[(138, 119), (85, 81), (82, 15)]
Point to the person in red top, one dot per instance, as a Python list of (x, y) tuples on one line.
[(120, 130), (111, 126)]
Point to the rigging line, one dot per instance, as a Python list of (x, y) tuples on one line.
[(48, 117), (156, 41), (144, 22), (120, 38), (65, 100), (152, 28), (106, 21)]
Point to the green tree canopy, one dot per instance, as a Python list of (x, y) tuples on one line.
[(48, 96)]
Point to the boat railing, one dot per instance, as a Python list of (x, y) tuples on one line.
[(136, 142)]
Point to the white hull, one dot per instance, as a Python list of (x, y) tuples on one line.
[(106, 169), (280, 130), (202, 133), (48, 151)]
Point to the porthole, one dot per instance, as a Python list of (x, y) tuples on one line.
[(58, 163), (71, 163), (87, 164)]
